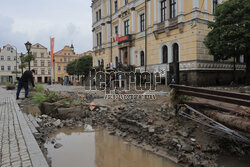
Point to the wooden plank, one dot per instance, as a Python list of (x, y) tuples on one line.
[(216, 97), (212, 92)]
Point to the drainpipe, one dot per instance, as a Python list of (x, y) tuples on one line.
[(146, 35), (111, 31)]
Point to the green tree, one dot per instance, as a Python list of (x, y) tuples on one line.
[(71, 68), (230, 33), (28, 58), (84, 65), (22, 66)]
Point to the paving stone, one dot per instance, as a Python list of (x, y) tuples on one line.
[(17, 141)]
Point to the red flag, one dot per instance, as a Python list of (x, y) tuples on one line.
[(52, 44), (117, 37)]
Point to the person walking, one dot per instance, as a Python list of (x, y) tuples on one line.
[(24, 83)]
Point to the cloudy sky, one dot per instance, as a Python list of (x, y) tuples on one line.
[(69, 21)]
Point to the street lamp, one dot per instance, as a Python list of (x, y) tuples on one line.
[(28, 47)]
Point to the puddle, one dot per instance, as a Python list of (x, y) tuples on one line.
[(99, 149), (32, 109)]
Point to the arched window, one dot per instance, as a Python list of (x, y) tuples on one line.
[(175, 52), (164, 54), (116, 61), (142, 58), (102, 62)]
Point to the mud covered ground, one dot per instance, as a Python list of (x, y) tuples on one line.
[(149, 124)]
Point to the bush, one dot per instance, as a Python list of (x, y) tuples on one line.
[(39, 98), (52, 96), (39, 88)]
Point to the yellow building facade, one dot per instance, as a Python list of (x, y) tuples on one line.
[(167, 37), (61, 59)]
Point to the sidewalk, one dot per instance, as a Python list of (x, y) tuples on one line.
[(18, 146)]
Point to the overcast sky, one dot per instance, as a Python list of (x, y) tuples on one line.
[(69, 21)]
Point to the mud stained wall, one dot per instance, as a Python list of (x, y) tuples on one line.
[(210, 78)]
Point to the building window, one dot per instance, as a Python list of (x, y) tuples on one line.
[(37, 46), (42, 63), (15, 58), (96, 16), (2, 68), (9, 68), (69, 54), (15, 68), (116, 61), (163, 10), (126, 27), (164, 54), (142, 22), (65, 68), (59, 68), (116, 29), (116, 6), (8, 49), (42, 71), (42, 55), (49, 71), (35, 63), (100, 14), (49, 63), (125, 2), (2, 57), (173, 11), (65, 59), (8, 58), (215, 3), (97, 39), (142, 58), (68, 59), (102, 63), (35, 54), (100, 36), (60, 60), (175, 52), (99, 63)]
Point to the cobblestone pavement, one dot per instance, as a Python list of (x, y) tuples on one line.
[(18, 146)]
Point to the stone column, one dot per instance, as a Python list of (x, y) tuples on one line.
[(133, 22), (195, 4)]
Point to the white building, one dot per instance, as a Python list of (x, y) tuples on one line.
[(41, 64), (9, 62)]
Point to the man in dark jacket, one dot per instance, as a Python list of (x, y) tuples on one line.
[(24, 83)]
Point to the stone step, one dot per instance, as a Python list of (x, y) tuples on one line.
[(31, 125)]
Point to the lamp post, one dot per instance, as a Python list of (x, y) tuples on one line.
[(21, 58), (28, 47)]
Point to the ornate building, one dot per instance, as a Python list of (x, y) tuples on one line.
[(41, 64), (167, 37), (9, 62), (62, 59)]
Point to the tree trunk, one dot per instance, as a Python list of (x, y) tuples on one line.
[(247, 69), (234, 72), (229, 120)]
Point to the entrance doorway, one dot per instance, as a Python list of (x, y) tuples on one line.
[(39, 79), (46, 80)]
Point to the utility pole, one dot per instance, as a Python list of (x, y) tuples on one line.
[(111, 31), (146, 35)]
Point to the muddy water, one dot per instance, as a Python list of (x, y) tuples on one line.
[(98, 149)]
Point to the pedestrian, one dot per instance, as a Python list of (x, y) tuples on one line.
[(24, 83)]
